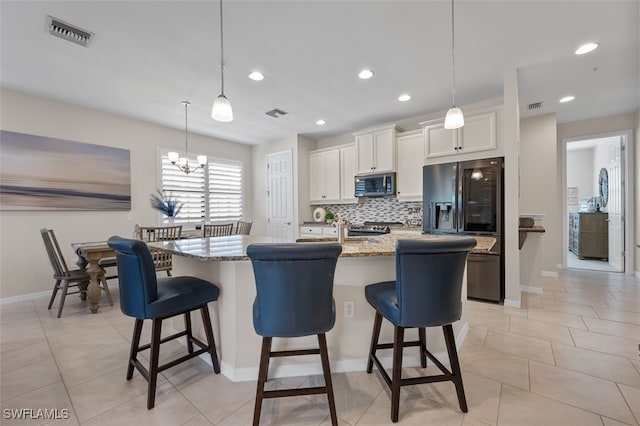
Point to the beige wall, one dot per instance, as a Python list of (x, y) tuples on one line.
[(540, 193), (24, 267), (597, 126)]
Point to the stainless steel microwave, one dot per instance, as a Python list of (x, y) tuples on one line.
[(375, 185)]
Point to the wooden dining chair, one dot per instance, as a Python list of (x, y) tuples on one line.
[(217, 230), (65, 277), (243, 228), (161, 259)]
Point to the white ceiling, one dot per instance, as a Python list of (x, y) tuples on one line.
[(148, 56)]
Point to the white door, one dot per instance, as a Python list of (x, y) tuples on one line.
[(280, 195), (615, 205)]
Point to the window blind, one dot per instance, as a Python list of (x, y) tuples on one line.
[(214, 193)]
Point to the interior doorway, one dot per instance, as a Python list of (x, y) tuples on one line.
[(280, 195), (595, 202)]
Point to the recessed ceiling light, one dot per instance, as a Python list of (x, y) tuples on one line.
[(567, 99), (586, 48), (365, 74), (256, 76), (404, 98), (321, 122)]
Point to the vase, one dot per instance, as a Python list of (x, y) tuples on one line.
[(171, 220)]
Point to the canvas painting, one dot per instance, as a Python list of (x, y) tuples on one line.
[(40, 173)]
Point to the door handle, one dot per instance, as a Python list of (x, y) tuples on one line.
[(287, 223)]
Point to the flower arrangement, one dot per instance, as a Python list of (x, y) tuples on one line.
[(166, 204)]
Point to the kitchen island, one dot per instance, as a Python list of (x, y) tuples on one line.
[(363, 261)]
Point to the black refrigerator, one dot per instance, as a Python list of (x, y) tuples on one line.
[(466, 198)]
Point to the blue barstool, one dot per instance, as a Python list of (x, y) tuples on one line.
[(143, 296), (426, 293), (294, 286)]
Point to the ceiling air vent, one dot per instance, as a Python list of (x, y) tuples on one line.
[(68, 32), (535, 105), (275, 113)]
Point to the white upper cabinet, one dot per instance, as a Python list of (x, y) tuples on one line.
[(324, 176), (347, 174), (331, 173), (410, 148), (478, 134), (375, 150)]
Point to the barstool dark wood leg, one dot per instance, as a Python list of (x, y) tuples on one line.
[(211, 341), (375, 335), (135, 343), (262, 378), (156, 331), (398, 344), (455, 365), (422, 336), (324, 357), (187, 328)]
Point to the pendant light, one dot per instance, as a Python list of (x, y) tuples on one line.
[(183, 162), (221, 110), (454, 118)]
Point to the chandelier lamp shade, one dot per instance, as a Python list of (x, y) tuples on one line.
[(183, 162), (221, 110), (454, 118)]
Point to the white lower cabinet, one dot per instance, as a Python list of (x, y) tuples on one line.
[(318, 231)]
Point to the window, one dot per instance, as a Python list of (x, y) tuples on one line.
[(214, 193)]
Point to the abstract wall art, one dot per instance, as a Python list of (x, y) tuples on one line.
[(41, 173)]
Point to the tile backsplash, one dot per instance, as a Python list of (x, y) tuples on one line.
[(384, 209)]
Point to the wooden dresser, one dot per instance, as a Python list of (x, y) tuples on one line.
[(589, 235)]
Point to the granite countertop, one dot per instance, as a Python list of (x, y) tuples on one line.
[(234, 247)]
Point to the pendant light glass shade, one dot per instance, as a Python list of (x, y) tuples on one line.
[(221, 110), (454, 118)]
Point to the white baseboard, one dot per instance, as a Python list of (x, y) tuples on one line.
[(531, 289), (32, 296), (552, 274), (512, 303), (24, 297)]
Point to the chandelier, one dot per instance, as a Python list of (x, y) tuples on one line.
[(183, 162)]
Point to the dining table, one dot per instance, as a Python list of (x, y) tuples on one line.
[(89, 254)]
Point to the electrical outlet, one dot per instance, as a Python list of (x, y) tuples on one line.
[(349, 308)]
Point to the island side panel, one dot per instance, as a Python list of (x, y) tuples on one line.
[(348, 341)]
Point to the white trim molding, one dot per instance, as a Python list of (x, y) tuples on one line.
[(531, 289)]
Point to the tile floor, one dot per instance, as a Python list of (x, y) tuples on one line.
[(574, 262), (570, 356)]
